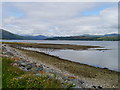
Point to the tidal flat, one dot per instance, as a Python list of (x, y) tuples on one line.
[(90, 74), (51, 46)]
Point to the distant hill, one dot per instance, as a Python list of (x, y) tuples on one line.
[(73, 38), (107, 37), (87, 37), (8, 35), (110, 38), (39, 37)]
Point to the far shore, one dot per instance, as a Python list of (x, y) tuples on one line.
[(99, 76)]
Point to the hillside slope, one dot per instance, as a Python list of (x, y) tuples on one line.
[(8, 35)]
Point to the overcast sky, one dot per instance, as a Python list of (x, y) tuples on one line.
[(60, 18)]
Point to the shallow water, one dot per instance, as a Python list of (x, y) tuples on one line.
[(98, 58)]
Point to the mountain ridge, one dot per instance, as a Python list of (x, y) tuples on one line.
[(107, 37)]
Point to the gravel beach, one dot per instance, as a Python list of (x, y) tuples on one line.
[(80, 75)]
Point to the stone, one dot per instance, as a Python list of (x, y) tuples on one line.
[(33, 69), (39, 68), (38, 74), (100, 87), (28, 67), (23, 64), (93, 86), (22, 67), (9, 53), (81, 82), (19, 78), (37, 65), (15, 64), (65, 78)]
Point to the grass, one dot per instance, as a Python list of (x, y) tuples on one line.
[(0, 72), (13, 77)]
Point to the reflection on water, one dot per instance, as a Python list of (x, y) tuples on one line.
[(98, 58)]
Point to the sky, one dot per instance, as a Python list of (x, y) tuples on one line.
[(60, 18)]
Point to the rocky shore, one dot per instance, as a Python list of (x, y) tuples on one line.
[(39, 68)]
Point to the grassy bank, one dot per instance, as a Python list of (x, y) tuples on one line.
[(51, 46), (13, 77)]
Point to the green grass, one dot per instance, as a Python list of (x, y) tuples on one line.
[(13, 77), (0, 73)]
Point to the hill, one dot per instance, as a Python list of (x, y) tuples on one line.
[(87, 37), (110, 38), (8, 35), (107, 37)]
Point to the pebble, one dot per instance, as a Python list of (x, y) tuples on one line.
[(93, 86), (100, 87), (15, 64)]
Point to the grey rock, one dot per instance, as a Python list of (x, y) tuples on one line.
[(93, 86), (99, 87), (23, 64), (38, 74), (29, 67), (9, 53), (39, 69)]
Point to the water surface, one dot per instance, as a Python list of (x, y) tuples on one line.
[(102, 58)]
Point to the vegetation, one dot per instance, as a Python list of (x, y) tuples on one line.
[(0, 72), (7, 35), (13, 77), (110, 38)]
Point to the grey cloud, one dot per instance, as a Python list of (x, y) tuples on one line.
[(61, 19)]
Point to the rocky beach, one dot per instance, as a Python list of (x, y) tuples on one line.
[(69, 73)]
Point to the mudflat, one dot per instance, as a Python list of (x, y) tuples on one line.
[(51, 46)]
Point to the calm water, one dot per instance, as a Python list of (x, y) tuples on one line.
[(103, 58)]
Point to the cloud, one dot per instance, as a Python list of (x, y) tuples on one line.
[(59, 19)]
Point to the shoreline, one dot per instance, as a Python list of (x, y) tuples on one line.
[(81, 47), (95, 75), (90, 74), (68, 60)]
